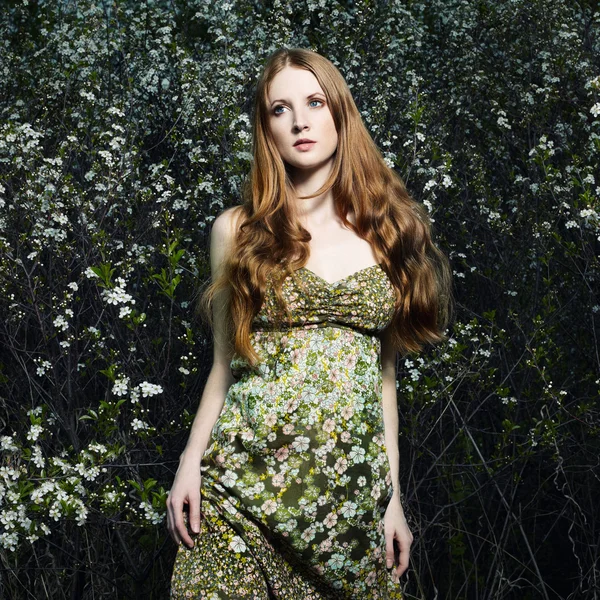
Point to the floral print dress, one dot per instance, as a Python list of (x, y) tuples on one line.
[(296, 480)]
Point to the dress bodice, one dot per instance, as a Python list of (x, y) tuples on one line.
[(363, 301)]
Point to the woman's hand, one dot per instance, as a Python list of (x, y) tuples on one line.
[(185, 490), (396, 529)]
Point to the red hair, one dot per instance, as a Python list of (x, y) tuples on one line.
[(270, 240)]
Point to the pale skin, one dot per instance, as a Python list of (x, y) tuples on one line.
[(298, 110)]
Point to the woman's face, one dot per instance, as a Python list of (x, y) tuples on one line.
[(298, 111)]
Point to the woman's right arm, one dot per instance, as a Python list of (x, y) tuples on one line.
[(186, 485)]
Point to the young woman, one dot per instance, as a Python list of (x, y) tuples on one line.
[(319, 278)]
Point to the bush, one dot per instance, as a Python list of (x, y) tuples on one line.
[(125, 130)]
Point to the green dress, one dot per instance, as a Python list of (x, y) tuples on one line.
[(296, 480)]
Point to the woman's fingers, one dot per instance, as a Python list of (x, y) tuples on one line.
[(176, 524), (182, 530), (404, 540), (195, 513), (390, 558), (404, 557), (389, 549)]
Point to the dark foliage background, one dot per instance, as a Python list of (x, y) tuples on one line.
[(124, 130)]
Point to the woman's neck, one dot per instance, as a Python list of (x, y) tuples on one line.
[(319, 208)]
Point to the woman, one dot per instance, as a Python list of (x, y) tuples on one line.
[(324, 273)]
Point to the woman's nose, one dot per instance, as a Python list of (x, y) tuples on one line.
[(300, 123), (300, 126)]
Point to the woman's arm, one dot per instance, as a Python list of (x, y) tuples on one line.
[(395, 525), (390, 409), (186, 485)]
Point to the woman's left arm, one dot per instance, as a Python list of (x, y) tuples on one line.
[(395, 525)]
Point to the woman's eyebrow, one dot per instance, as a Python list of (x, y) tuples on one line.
[(307, 97)]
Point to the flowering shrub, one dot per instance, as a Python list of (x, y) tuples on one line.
[(125, 130)]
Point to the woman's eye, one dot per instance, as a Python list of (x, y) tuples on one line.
[(280, 109)]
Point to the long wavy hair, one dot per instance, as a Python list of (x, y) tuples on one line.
[(271, 242)]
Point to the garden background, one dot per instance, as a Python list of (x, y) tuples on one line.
[(124, 130)]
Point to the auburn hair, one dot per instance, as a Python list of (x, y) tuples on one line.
[(270, 241)]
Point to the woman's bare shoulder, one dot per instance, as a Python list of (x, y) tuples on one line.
[(223, 234), (226, 225)]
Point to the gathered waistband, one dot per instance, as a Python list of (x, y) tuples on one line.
[(318, 325)]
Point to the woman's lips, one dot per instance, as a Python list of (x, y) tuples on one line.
[(304, 146)]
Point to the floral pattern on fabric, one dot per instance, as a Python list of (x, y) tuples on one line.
[(296, 480)]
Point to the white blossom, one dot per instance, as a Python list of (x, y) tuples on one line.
[(34, 432), (503, 121), (138, 425), (7, 444), (61, 323), (96, 447), (120, 386), (149, 389), (116, 296), (9, 540), (124, 311), (36, 457)]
